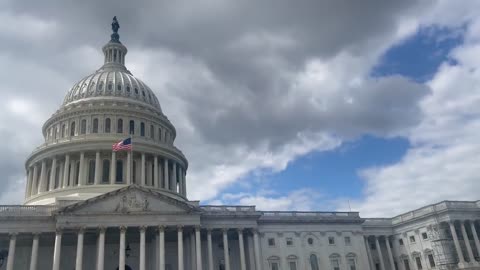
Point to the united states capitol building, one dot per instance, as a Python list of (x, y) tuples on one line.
[(88, 207)]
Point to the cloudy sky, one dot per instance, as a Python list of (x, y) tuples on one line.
[(306, 105)]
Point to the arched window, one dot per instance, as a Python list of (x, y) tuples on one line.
[(142, 129), (55, 133), (159, 134), (120, 126), (292, 262), (335, 261), (95, 126), (83, 126), (119, 178), (274, 262), (106, 171), (72, 129), (132, 127), (313, 262), (91, 172), (152, 132), (107, 125), (63, 131), (351, 261)]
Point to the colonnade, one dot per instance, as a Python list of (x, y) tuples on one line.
[(100, 167), (465, 259), (197, 254)]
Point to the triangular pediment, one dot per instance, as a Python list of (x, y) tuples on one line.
[(131, 200)]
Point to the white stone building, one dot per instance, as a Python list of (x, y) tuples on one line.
[(87, 207)]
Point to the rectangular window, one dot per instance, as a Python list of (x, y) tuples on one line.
[(424, 236), (348, 241), (419, 263), (331, 240), (274, 266), (271, 242), (431, 260), (293, 265), (351, 264), (400, 242), (412, 239), (289, 241), (406, 264), (335, 264)]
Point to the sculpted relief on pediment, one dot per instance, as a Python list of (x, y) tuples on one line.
[(132, 202)]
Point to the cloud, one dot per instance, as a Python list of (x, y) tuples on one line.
[(247, 88)]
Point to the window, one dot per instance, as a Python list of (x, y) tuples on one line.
[(274, 266), (132, 127), (271, 242), (292, 262), (152, 132), (289, 241), (95, 126), (160, 134), (110, 86), (119, 87), (348, 241), (57, 177), (412, 239), (107, 125), (406, 264), (313, 262), (424, 236), (134, 173), (335, 261), (419, 263), (274, 262), (119, 177), (83, 126), (62, 134), (77, 173), (120, 126), (331, 240), (100, 86), (400, 242), (292, 265), (431, 260), (72, 129), (91, 172), (351, 263), (310, 241), (136, 91), (128, 88), (142, 129), (106, 171)]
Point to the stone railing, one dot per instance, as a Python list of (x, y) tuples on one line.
[(378, 222), (442, 206), (308, 214), (26, 210), (228, 208)]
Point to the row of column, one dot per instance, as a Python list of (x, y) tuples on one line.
[(461, 256), (379, 252), (142, 259), (37, 175)]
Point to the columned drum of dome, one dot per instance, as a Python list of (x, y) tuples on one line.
[(76, 161)]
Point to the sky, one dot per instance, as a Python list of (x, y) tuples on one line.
[(369, 106)]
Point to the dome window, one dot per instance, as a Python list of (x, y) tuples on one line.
[(110, 86), (143, 93), (107, 125), (119, 177), (72, 129), (95, 126), (106, 171), (132, 127), (142, 129), (152, 132), (100, 86), (128, 88), (136, 91), (91, 172), (120, 126), (83, 127), (119, 87)]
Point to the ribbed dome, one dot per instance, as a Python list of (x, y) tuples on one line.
[(111, 82)]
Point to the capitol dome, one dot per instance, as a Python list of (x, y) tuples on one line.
[(76, 161)]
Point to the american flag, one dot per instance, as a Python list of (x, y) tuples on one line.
[(122, 145)]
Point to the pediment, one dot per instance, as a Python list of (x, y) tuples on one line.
[(130, 200)]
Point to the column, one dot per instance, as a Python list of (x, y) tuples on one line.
[(129, 168), (98, 165), (161, 236), (34, 189), (242, 249), (43, 177), (11, 251), (34, 256), (121, 252), (53, 172), (225, 249), (184, 181), (155, 172), (142, 170), (198, 245), (193, 252), (461, 259), (65, 171), (369, 255), (57, 250), (210, 251), (79, 257), (180, 184), (390, 255), (101, 249), (165, 173), (81, 173), (379, 251), (467, 242), (180, 247), (29, 183), (113, 168), (475, 235), (256, 246), (142, 247), (174, 177), (72, 173)]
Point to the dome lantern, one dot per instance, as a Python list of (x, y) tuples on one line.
[(114, 50)]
